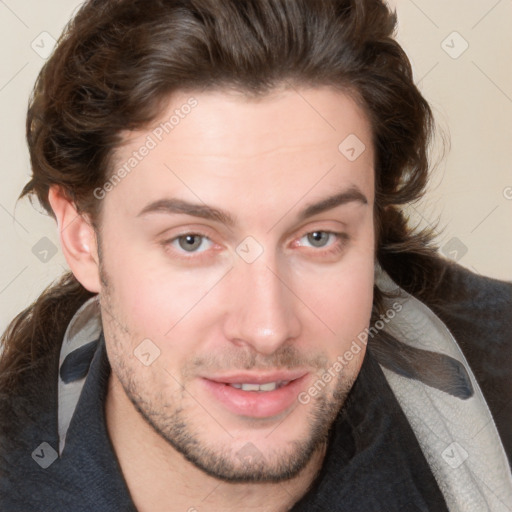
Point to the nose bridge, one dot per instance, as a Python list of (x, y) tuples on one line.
[(264, 310)]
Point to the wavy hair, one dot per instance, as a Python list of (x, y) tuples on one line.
[(117, 63)]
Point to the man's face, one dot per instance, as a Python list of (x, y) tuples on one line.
[(239, 251)]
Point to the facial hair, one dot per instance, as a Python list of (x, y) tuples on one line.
[(172, 421)]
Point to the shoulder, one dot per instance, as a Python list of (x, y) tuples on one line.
[(474, 291), (28, 418), (478, 312)]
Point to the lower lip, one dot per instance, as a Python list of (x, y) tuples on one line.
[(256, 404)]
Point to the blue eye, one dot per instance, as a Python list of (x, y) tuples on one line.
[(320, 239), (191, 242)]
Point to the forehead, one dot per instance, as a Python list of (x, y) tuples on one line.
[(209, 143)]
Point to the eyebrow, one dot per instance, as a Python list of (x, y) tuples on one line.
[(351, 195), (178, 206)]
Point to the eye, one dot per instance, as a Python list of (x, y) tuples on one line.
[(320, 239), (191, 242)]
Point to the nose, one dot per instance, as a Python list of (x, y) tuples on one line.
[(263, 310)]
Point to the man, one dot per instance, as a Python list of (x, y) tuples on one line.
[(245, 323)]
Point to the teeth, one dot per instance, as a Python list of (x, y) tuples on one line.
[(269, 386), (250, 387)]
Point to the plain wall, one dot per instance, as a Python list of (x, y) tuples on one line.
[(470, 92)]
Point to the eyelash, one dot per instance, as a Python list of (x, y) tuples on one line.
[(331, 250)]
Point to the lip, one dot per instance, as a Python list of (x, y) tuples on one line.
[(256, 404)]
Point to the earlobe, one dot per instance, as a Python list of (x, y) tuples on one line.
[(77, 239)]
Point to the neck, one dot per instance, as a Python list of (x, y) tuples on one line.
[(160, 478)]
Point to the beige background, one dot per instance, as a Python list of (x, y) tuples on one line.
[(470, 92)]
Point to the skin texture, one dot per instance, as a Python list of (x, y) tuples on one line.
[(210, 311)]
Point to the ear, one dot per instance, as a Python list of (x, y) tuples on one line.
[(77, 239)]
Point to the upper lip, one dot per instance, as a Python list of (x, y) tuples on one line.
[(258, 378)]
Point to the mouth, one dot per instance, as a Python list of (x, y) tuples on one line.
[(256, 395)]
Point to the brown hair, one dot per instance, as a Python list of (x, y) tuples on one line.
[(118, 61)]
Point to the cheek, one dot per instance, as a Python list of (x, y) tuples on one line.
[(347, 304), (152, 297), (348, 313), (342, 297)]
